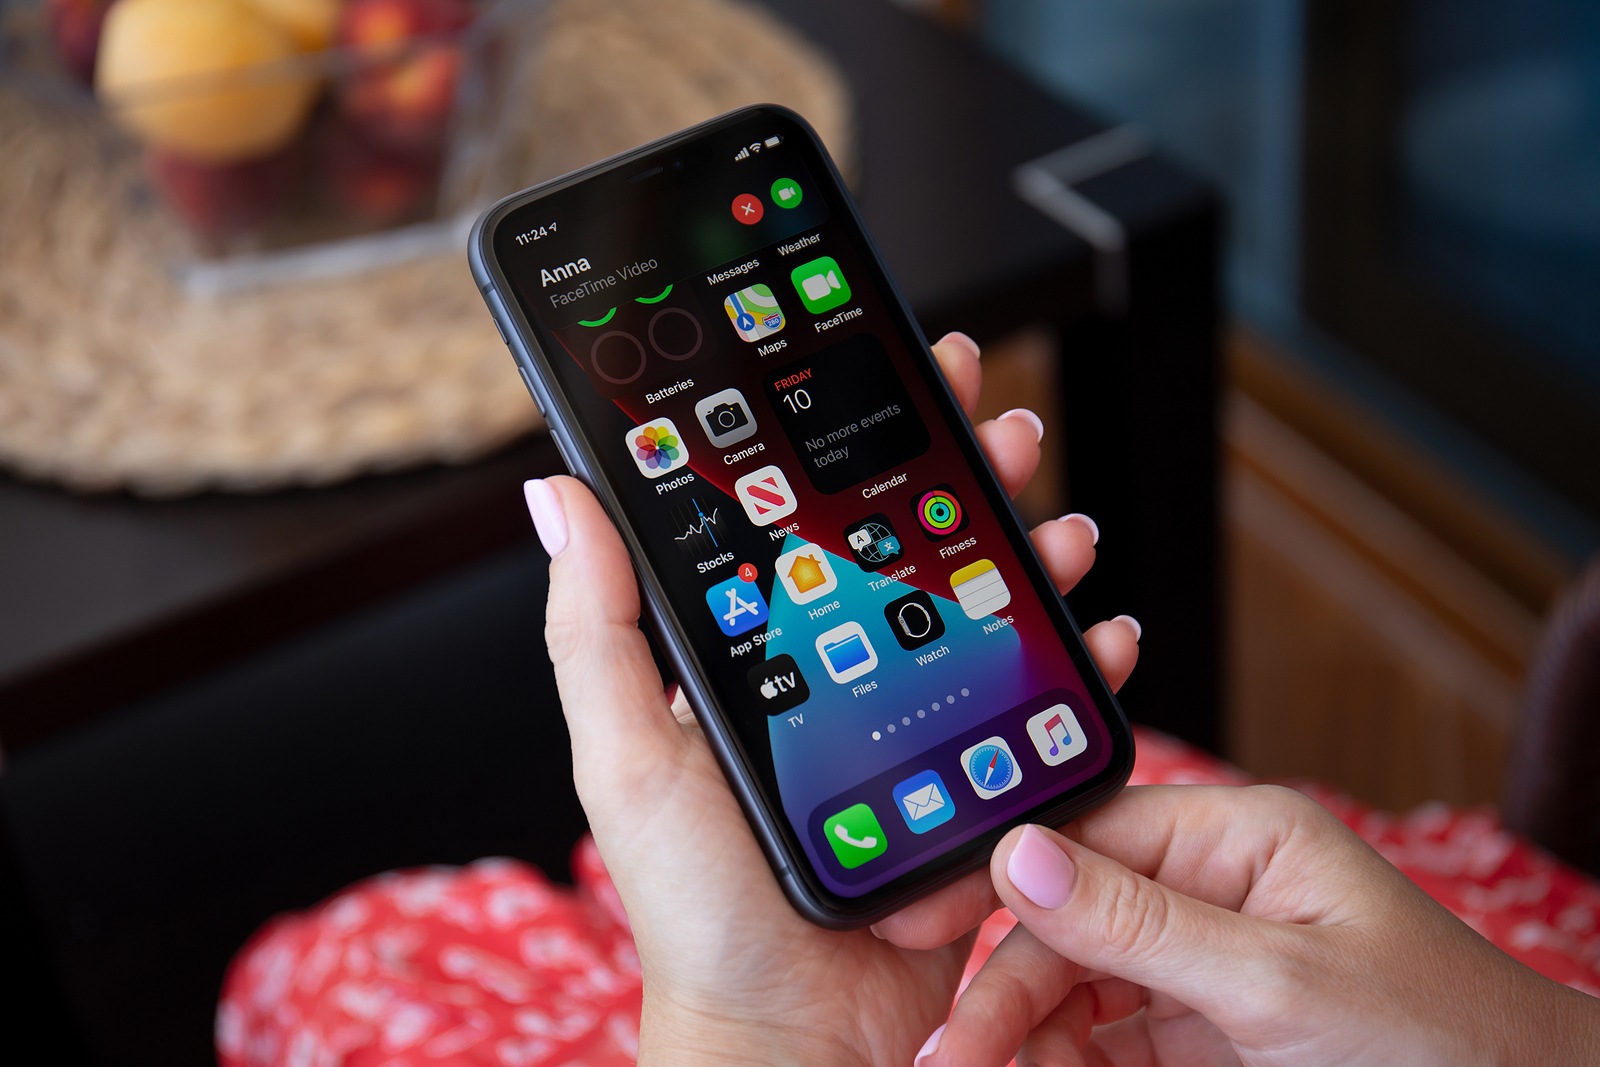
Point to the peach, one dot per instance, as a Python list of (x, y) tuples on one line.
[(404, 91), (223, 200), (206, 80), (310, 22)]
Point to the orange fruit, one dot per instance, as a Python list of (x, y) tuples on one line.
[(207, 80)]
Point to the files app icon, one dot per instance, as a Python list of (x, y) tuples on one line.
[(924, 802)]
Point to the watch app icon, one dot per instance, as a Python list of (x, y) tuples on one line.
[(914, 620)]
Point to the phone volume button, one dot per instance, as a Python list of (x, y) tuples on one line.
[(527, 380), (497, 311)]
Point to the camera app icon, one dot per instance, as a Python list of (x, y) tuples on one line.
[(726, 417)]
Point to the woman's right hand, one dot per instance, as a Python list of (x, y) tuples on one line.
[(1211, 925)]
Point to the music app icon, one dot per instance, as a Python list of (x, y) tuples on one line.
[(1056, 735)]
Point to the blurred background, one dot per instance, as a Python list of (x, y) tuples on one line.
[(1304, 290)]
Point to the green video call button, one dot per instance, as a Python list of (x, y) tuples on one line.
[(786, 193)]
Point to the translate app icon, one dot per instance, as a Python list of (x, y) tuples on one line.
[(924, 802), (737, 604), (754, 312)]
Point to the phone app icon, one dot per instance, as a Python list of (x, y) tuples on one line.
[(737, 604), (940, 513), (765, 495), (657, 448), (847, 653), (726, 417), (991, 768), (806, 574), (979, 589), (754, 312), (747, 209), (1056, 734), (779, 684), (924, 802), (820, 284), (914, 620), (786, 193), (873, 542), (856, 835)]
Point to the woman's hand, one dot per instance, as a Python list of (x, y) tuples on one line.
[(1215, 925), (731, 972)]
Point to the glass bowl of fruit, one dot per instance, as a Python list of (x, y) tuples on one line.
[(287, 137)]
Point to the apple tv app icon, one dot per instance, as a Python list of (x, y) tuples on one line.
[(779, 685)]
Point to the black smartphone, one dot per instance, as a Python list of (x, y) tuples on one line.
[(878, 658)]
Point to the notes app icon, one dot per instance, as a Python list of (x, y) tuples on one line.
[(980, 589), (1056, 735)]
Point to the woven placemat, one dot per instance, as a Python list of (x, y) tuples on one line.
[(113, 377)]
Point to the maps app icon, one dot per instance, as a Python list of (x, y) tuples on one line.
[(754, 312)]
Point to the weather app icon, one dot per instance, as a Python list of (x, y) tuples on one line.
[(754, 312)]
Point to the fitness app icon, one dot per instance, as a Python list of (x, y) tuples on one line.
[(940, 513), (754, 312)]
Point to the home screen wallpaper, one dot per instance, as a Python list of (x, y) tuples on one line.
[(740, 372)]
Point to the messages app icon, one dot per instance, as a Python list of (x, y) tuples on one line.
[(924, 802)]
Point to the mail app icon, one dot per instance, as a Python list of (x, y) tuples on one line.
[(924, 802)]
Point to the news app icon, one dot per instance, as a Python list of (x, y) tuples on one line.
[(847, 653), (1056, 735), (765, 496)]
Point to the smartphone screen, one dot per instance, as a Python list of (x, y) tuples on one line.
[(838, 571)]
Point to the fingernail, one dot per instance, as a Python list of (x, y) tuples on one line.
[(877, 933), (1040, 870), (958, 338), (1078, 516), (930, 1046), (548, 518), (1030, 418), (1138, 631)]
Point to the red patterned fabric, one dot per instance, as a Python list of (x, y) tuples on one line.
[(492, 964)]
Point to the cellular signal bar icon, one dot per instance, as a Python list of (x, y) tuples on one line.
[(744, 153)]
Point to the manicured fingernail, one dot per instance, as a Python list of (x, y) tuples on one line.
[(1077, 516), (877, 933), (930, 1046), (1030, 418), (1040, 870), (1138, 631), (548, 518), (955, 337)]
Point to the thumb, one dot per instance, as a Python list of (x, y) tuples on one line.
[(617, 712), (1104, 917)]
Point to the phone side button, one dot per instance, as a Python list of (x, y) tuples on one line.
[(527, 381)]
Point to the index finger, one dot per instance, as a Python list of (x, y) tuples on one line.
[(958, 359)]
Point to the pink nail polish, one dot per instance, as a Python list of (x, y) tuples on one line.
[(1040, 870), (930, 1046), (1030, 418), (957, 337), (1138, 631), (1094, 527), (548, 519)]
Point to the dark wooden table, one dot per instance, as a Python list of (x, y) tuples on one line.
[(107, 599), (218, 708)]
